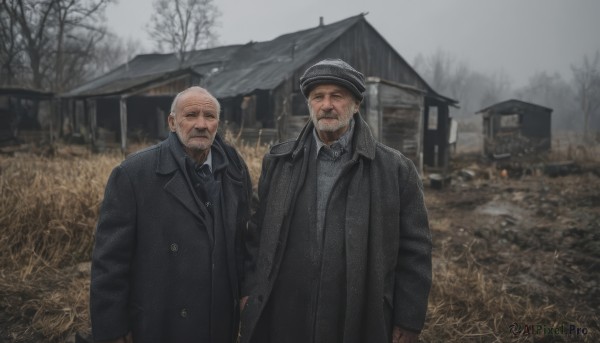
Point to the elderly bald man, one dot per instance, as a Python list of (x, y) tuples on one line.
[(167, 260)]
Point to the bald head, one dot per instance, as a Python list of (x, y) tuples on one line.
[(199, 91)]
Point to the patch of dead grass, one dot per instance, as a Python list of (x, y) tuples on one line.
[(48, 211)]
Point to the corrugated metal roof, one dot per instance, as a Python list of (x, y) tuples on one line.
[(231, 70), (25, 92), (228, 70), (265, 65), (145, 68)]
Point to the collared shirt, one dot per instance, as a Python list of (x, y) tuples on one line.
[(209, 160), (202, 179), (330, 160)]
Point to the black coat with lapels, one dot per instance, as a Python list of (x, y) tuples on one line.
[(151, 265)]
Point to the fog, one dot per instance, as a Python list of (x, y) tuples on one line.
[(517, 37), (508, 43)]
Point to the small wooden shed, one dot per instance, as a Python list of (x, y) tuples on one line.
[(515, 127)]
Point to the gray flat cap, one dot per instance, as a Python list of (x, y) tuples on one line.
[(333, 71)]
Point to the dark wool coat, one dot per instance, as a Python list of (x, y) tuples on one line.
[(151, 264), (387, 243)]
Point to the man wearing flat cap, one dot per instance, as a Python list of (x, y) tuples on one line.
[(341, 249)]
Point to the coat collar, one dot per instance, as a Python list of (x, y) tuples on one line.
[(363, 142), (171, 162), (170, 155)]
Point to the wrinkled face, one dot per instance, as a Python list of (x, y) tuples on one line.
[(331, 107), (195, 121)]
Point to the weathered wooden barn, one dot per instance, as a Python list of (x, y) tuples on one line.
[(515, 127), (257, 85)]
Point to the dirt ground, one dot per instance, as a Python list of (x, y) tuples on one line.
[(533, 234)]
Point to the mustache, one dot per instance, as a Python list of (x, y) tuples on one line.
[(328, 115), (199, 133)]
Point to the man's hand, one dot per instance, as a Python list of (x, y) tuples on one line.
[(404, 336), (243, 302)]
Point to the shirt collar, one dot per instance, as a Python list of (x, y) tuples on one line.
[(208, 161)]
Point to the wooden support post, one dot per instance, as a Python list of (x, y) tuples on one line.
[(91, 106), (123, 117), (443, 134), (421, 134)]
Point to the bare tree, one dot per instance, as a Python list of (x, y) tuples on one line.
[(113, 52), (436, 69), (181, 26), (495, 88), (452, 77), (11, 48), (32, 19), (586, 78), (79, 29), (57, 38), (551, 90), (446, 75)]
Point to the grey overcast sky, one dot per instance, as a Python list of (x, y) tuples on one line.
[(518, 37)]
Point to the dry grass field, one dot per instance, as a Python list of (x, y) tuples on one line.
[(516, 259)]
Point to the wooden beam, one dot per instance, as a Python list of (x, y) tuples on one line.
[(91, 107), (123, 117)]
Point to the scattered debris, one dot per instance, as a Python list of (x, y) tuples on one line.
[(438, 181), (562, 168), (466, 174)]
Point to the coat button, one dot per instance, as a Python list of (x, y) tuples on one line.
[(183, 313), (208, 204), (174, 247)]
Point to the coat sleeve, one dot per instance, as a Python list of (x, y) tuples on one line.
[(252, 241), (247, 236), (111, 259), (413, 269)]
